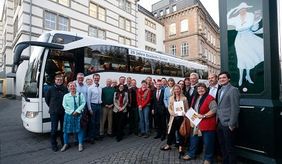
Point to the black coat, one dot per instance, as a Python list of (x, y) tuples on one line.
[(190, 97), (132, 97), (54, 99), (158, 105)]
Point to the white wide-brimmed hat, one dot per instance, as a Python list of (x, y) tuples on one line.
[(243, 5)]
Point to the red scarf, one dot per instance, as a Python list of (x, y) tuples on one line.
[(120, 99)]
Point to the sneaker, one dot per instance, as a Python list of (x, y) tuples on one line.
[(187, 157), (207, 162), (65, 147), (80, 147)]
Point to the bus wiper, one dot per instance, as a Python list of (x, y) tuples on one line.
[(23, 95)]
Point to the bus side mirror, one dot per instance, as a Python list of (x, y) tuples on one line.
[(18, 59)]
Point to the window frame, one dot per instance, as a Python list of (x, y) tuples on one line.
[(172, 30), (57, 17), (49, 20), (172, 49), (185, 49), (97, 32), (184, 27)]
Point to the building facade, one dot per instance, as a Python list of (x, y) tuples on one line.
[(150, 31), (179, 27), (190, 32), (25, 20)]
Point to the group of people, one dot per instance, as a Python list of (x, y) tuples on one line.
[(152, 105), (218, 108)]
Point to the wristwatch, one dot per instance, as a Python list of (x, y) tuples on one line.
[(205, 116)]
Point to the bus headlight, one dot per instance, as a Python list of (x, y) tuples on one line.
[(30, 114)]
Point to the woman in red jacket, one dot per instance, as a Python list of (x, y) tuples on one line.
[(206, 106), (143, 102)]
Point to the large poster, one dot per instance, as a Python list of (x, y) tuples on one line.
[(279, 17), (245, 44)]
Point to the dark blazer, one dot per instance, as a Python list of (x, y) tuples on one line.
[(54, 99), (190, 97), (158, 105), (216, 96), (228, 106)]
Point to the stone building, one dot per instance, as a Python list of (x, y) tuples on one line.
[(190, 32)]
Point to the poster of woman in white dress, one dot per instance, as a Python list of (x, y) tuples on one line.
[(245, 17)]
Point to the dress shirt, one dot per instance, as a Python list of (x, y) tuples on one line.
[(213, 90), (222, 92), (158, 93), (167, 94), (94, 95), (82, 89), (192, 89)]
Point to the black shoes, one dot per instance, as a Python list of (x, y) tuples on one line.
[(55, 148), (157, 136), (146, 135), (92, 141)]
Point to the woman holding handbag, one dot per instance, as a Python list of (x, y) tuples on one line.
[(206, 106), (73, 103), (176, 112)]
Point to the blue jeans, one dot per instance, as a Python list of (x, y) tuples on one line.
[(209, 139), (55, 119), (80, 136), (95, 120), (144, 119)]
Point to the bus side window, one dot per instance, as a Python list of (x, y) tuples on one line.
[(118, 57), (105, 58), (136, 64), (165, 68)]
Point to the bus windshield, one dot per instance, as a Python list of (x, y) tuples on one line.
[(30, 88)]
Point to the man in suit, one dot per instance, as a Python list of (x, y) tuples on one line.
[(227, 114), (213, 85), (194, 79), (159, 111)]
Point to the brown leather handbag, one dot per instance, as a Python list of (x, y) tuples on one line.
[(185, 128)]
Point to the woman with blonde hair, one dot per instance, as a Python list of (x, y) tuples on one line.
[(178, 105), (73, 103)]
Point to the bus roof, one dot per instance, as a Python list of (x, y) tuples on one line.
[(88, 41)]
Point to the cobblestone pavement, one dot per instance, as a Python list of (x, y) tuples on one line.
[(20, 146)]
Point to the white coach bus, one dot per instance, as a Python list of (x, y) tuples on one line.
[(68, 53)]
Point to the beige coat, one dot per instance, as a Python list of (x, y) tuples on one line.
[(117, 104), (171, 109)]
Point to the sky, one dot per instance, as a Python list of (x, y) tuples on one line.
[(210, 5)]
